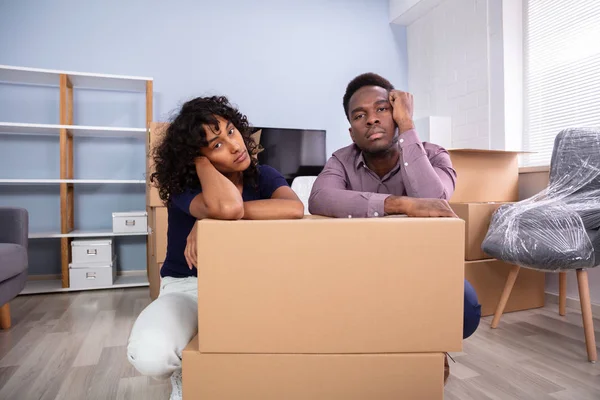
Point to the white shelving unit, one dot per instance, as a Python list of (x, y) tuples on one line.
[(66, 81), (55, 181), (14, 128), (77, 233), (81, 80)]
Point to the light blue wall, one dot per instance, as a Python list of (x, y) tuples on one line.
[(284, 63)]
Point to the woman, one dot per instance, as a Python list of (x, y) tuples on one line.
[(206, 167)]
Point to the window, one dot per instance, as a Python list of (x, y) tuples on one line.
[(562, 72)]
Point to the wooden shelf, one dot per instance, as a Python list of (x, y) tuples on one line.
[(79, 80), (81, 234), (16, 128), (55, 286), (74, 181)]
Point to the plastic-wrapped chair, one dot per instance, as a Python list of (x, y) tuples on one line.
[(302, 185), (556, 230)]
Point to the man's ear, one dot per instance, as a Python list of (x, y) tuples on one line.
[(351, 134)]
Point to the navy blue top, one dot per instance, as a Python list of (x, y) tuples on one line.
[(181, 221)]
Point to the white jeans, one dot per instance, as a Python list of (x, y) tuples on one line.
[(164, 328)]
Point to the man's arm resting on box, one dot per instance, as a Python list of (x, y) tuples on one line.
[(423, 177), (329, 197)]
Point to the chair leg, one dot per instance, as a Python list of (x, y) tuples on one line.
[(508, 286), (5, 316), (562, 293), (586, 311)]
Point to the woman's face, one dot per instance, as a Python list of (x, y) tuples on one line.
[(226, 149)]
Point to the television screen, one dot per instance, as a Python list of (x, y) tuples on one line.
[(293, 152)]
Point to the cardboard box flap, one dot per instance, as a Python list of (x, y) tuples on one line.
[(463, 150)]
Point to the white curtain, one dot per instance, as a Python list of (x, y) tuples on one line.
[(562, 71)]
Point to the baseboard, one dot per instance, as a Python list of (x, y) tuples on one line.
[(552, 298), (140, 272), (43, 277)]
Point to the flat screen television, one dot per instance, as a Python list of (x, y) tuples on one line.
[(293, 152)]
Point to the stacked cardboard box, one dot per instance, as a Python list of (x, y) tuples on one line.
[(486, 180), (326, 309), (157, 215)]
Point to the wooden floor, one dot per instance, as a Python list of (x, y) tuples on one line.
[(72, 346)]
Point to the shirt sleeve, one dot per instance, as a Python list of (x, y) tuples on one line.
[(184, 200), (425, 176), (269, 181), (330, 196)]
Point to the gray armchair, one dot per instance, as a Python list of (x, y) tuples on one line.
[(556, 230), (14, 230)]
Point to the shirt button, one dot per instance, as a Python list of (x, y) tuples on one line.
[(376, 214), (401, 140), (406, 164), (349, 216)]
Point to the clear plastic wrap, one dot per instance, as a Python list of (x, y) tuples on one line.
[(558, 228)]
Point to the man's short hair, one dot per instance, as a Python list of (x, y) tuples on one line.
[(367, 79)]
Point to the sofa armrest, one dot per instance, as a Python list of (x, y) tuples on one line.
[(14, 225)]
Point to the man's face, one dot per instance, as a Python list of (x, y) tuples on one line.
[(372, 125)]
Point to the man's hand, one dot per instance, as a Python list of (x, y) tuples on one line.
[(190, 252), (415, 207), (402, 105)]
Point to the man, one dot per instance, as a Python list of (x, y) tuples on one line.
[(387, 170)]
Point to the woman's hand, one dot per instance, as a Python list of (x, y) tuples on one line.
[(201, 160), (191, 250)]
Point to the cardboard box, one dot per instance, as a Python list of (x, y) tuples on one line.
[(477, 217), (485, 175), (157, 246), (311, 376), (157, 130), (488, 278), (371, 285), (532, 180), (154, 279), (161, 226)]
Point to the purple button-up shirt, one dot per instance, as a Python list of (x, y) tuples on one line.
[(348, 188)]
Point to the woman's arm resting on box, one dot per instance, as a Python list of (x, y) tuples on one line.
[(220, 198), (283, 204)]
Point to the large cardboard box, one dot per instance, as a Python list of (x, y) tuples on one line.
[(157, 130), (477, 217), (386, 285), (311, 376), (485, 175), (488, 278)]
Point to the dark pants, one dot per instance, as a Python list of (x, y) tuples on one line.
[(472, 313)]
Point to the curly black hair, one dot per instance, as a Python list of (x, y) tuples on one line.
[(367, 79), (174, 156)]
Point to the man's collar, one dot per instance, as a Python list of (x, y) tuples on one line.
[(360, 160)]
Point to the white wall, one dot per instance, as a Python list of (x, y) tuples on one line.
[(448, 68)]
